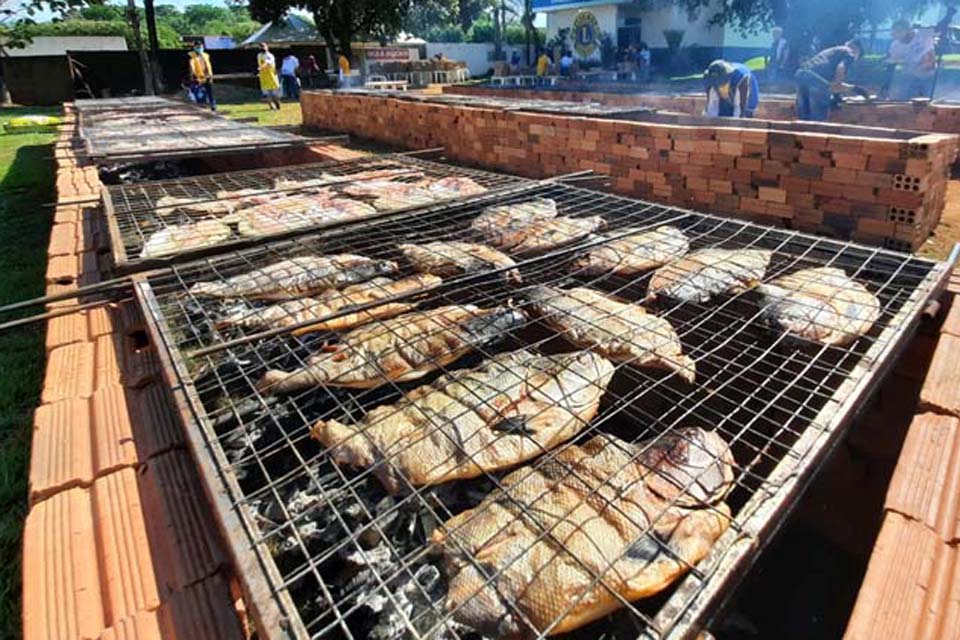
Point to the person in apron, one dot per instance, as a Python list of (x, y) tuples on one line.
[(267, 72)]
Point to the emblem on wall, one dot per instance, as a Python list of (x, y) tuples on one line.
[(586, 33)]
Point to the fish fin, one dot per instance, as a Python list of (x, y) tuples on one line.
[(685, 367), (514, 425)]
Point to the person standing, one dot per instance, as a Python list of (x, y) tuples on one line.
[(732, 90), (643, 62), (779, 59), (543, 64), (267, 72), (823, 75), (309, 71), (566, 64), (201, 76), (343, 75), (912, 50), (288, 77)]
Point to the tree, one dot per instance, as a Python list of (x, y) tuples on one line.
[(341, 22)]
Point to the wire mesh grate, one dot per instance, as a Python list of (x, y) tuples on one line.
[(498, 485), (158, 128), (176, 218)]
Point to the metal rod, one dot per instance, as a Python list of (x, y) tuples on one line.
[(56, 313)]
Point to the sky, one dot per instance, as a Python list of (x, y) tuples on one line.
[(46, 15)]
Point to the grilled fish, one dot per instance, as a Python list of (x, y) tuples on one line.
[(510, 409), (562, 540), (617, 330), (399, 349), (194, 205), (507, 225), (295, 212), (454, 187), (292, 184), (184, 237), (296, 277), (301, 310), (634, 251), (559, 232), (709, 272), (454, 258), (821, 304)]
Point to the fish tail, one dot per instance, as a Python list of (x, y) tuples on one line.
[(275, 381), (346, 444)]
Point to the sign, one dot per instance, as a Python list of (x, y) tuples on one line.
[(383, 54), (586, 33)]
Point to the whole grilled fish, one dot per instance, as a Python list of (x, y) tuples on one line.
[(561, 539), (559, 232), (511, 408), (709, 272), (400, 349), (618, 330), (179, 238), (301, 310), (296, 277), (821, 304), (295, 212), (634, 251), (194, 205), (454, 258), (507, 225)]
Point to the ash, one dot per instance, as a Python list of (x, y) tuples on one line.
[(126, 173)]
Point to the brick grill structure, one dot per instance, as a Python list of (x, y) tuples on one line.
[(886, 190), (933, 118)]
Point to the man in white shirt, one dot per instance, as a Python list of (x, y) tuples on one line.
[(288, 77), (912, 50), (778, 62)]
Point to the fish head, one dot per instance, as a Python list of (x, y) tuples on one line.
[(689, 466)]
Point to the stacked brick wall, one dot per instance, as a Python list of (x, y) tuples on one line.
[(883, 191), (934, 118)]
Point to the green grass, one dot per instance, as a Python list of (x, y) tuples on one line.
[(26, 183), (289, 113)]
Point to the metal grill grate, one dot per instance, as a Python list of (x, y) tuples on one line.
[(327, 547), (560, 107), (294, 199), (155, 129)]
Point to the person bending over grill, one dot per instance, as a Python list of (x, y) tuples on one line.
[(201, 76), (732, 90), (823, 75)]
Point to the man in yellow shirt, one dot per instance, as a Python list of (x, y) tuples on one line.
[(201, 76), (344, 76), (267, 73), (543, 64)]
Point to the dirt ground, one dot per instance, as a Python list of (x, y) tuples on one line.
[(947, 232)]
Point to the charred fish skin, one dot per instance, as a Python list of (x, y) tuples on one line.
[(507, 225), (821, 304), (556, 545), (559, 232), (634, 251), (701, 275), (447, 259), (623, 332), (400, 349), (298, 313), (296, 277), (509, 409)]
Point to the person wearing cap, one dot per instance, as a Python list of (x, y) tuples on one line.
[(732, 90), (201, 76), (823, 75), (912, 51), (267, 73)]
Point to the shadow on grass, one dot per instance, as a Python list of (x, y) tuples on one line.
[(26, 184)]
